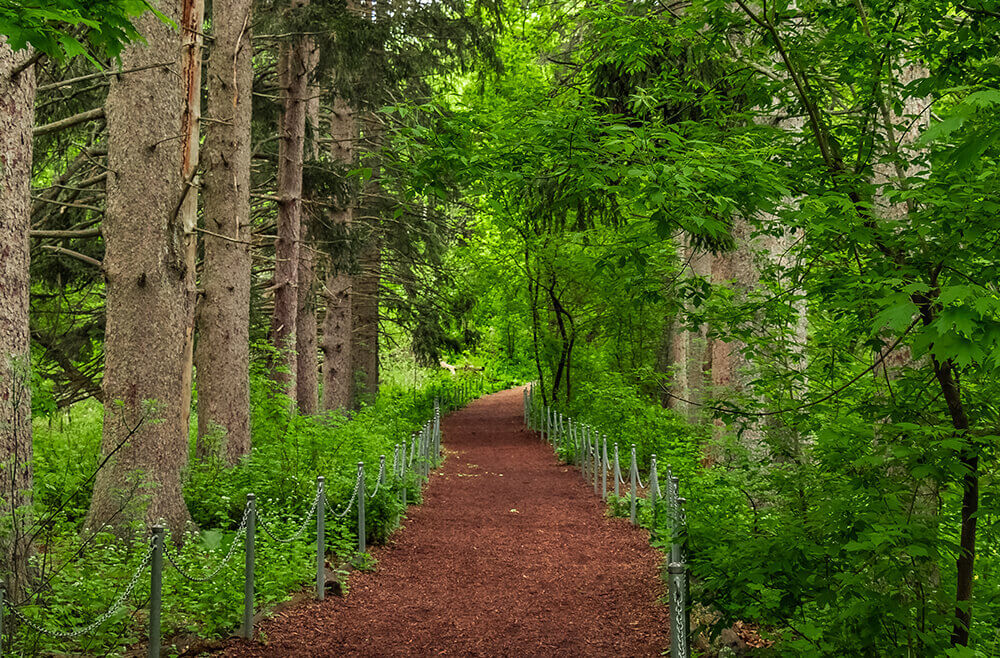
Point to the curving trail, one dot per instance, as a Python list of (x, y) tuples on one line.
[(510, 555)]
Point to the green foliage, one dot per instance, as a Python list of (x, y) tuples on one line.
[(56, 27), (290, 451)]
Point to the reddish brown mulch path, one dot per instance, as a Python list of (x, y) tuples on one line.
[(510, 555)]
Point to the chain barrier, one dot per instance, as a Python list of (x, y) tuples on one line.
[(264, 523), (158, 548), (173, 560), (587, 452), (71, 635), (350, 503), (378, 481)]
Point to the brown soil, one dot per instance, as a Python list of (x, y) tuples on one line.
[(511, 554)]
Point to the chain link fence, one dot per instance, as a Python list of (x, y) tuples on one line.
[(582, 445)]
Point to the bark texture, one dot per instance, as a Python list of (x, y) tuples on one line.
[(192, 23), (17, 101), (293, 77), (364, 311), (338, 379), (223, 356), (365, 294), (306, 337), (148, 282)]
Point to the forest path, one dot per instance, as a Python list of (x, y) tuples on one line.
[(511, 554)]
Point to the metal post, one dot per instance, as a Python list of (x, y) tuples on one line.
[(634, 473), (675, 521), (249, 539), (381, 470), (654, 489), (604, 468), (618, 471), (156, 592), (679, 619), (597, 458), (361, 508), (321, 538)]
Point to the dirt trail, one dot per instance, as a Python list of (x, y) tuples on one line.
[(510, 555)]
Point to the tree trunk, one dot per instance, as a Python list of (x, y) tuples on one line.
[(306, 341), (698, 353), (364, 309), (147, 288), (293, 76), (192, 24), (338, 379), (365, 296), (17, 105), (223, 357), (306, 338)]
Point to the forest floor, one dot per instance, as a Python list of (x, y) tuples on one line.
[(511, 554)]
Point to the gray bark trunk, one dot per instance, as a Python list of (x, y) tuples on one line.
[(338, 379), (147, 287), (17, 101), (223, 356), (365, 295), (698, 353), (293, 76), (306, 338), (364, 310)]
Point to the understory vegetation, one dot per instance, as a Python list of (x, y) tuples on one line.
[(756, 239), (290, 451)]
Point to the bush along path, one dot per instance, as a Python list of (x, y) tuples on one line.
[(510, 554)]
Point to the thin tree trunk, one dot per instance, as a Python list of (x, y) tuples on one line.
[(698, 353), (306, 339), (293, 76), (365, 296), (17, 101), (338, 380), (223, 356), (192, 24), (147, 288)]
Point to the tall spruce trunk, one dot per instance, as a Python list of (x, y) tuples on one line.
[(17, 112), (338, 379), (223, 353), (364, 310), (148, 284), (293, 77), (306, 337), (365, 293)]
